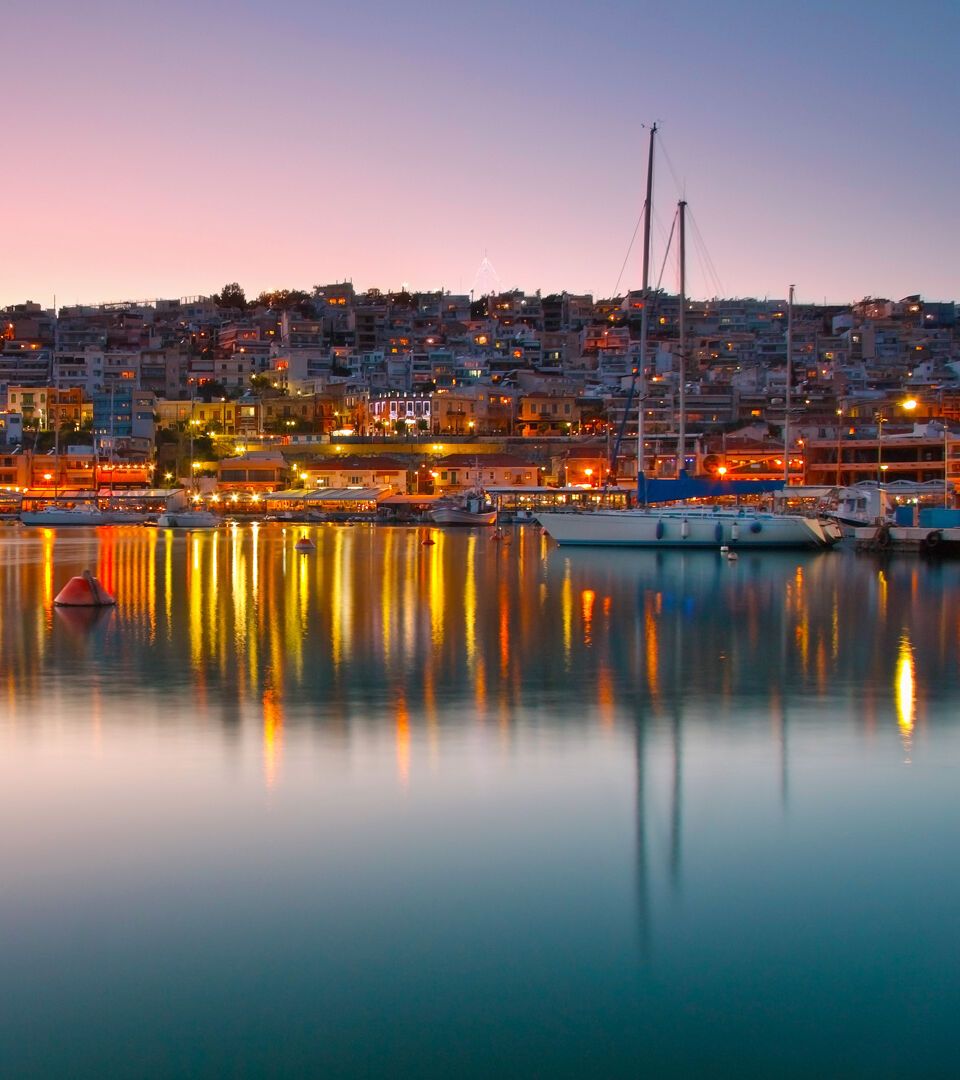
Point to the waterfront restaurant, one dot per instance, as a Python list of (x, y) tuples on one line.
[(326, 504), (257, 471), (523, 503), (355, 471)]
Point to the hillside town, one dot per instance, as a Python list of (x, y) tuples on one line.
[(413, 395)]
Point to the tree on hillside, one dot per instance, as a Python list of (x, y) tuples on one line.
[(287, 300), (231, 296)]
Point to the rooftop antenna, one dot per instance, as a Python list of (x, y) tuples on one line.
[(486, 280)]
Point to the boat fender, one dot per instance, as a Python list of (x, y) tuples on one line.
[(660, 530), (732, 556), (735, 531), (718, 532), (724, 549), (882, 539), (932, 540), (756, 527), (684, 529)]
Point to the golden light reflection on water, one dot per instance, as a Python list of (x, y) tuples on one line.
[(435, 560), (652, 643), (906, 693), (402, 736), (272, 735), (235, 621), (587, 598), (567, 602), (470, 603)]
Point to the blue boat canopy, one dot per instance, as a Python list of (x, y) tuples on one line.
[(700, 487)]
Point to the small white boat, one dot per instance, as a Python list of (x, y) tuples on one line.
[(52, 516), (475, 509), (187, 519)]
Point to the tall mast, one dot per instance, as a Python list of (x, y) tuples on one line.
[(786, 402), (644, 322), (682, 439)]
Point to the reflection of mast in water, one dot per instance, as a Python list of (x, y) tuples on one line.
[(783, 697), (643, 899), (676, 803)]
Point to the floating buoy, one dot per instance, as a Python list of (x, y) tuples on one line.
[(732, 556), (724, 549), (84, 591), (426, 543), (305, 545)]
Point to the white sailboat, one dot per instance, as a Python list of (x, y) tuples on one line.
[(53, 516), (682, 525), (84, 512)]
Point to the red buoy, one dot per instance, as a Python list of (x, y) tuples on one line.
[(84, 591)]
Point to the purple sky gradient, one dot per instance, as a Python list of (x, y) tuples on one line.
[(164, 148)]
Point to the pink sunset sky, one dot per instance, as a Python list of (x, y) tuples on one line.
[(163, 149)]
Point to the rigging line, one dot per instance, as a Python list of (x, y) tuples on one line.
[(710, 280), (662, 231), (666, 254), (626, 257), (681, 187), (706, 252), (703, 270)]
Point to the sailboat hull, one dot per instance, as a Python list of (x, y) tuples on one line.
[(693, 528)]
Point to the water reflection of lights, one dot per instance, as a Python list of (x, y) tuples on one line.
[(272, 735), (906, 693), (402, 732), (587, 598)]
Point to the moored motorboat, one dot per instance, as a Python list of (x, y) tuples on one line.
[(187, 519), (473, 510)]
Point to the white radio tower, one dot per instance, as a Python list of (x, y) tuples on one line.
[(486, 280)]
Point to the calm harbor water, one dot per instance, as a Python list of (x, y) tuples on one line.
[(475, 809)]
